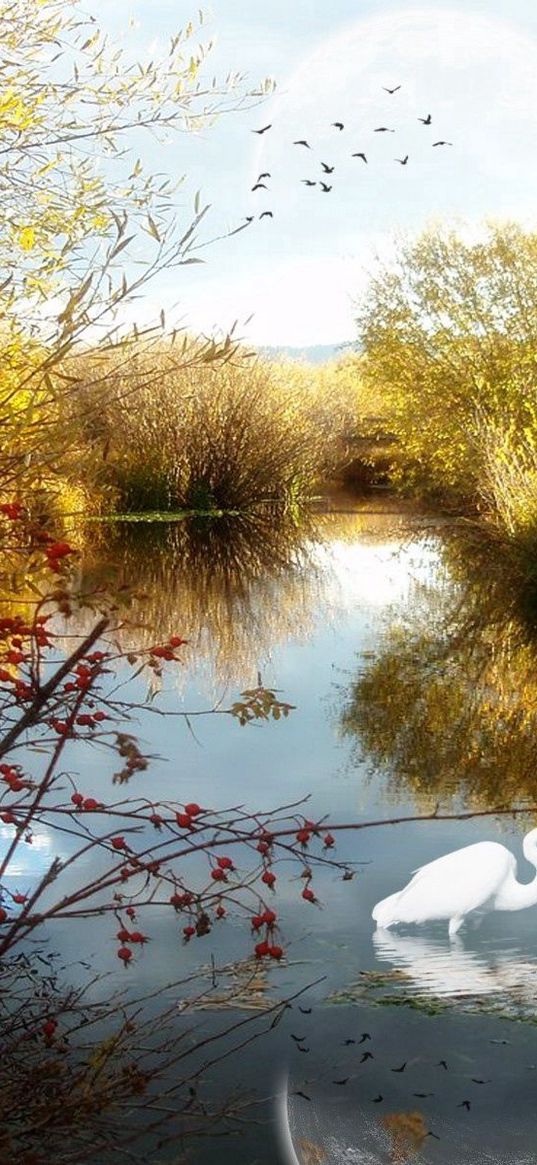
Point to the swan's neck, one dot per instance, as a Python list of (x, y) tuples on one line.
[(515, 895)]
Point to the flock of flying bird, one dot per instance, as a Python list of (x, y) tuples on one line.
[(367, 1055), (324, 181)]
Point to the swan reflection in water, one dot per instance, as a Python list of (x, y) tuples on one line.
[(449, 968)]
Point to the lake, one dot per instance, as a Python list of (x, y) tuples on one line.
[(411, 679)]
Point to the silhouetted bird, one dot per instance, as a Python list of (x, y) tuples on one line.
[(297, 1039), (267, 214), (425, 120), (435, 1135), (302, 1094), (442, 1064), (259, 186), (301, 1049), (499, 1041), (367, 1056), (264, 130), (377, 1099), (362, 156), (423, 1095), (383, 129), (305, 1010), (338, 125), (465, 1104), (325, 189), (475, 1081), (401, 1069), (301, 142), (344, 1081), (365, 1036), (442, 143), (403, 161), (327, 169), (392, 91), (265, 174), (308, 182), (250, 217), (348, 1042)]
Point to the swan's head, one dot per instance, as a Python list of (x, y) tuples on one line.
[(529, 846)]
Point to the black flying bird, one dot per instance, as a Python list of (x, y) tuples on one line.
[(362, 156), (325, 189), (307, 182), (442, 144), (392, 91), (425, 120), (327, 169), (403, 161), (267, 214), (264, 130), (259, 186), (301, 142), (338, 125), (383, 129)]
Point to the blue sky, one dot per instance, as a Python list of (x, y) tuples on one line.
[(472, 66)]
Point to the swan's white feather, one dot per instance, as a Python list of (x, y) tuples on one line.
[(454, 885)]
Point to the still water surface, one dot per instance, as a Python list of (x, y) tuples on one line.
[(411, 690)]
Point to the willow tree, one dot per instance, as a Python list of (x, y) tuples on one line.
[(449, 330), (84, 225)]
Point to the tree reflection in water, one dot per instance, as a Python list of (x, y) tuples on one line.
[(234, 586), (448, 705)]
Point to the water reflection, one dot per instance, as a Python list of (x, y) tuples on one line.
[(448, 706), (452, 969), (238, 587)]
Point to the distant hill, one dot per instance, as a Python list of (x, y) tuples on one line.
[(312, 354)]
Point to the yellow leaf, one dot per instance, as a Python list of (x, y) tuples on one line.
[(27, 238)]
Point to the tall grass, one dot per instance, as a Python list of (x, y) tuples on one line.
[(217, 436)]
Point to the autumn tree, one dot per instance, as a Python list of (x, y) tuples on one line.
[(84, 225), (448, 329)]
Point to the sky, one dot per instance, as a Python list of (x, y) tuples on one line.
[(294, 277)]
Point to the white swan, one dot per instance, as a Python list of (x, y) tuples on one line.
[(476, 879)]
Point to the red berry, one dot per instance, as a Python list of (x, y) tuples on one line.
[(99, 716), (137, 937), (176, 641), (303, 836), (49, 1028), (269, 917), (225, 863), (218, 875), (155, 819), (3, 914), (261, 949), (257, 921), (19, 898), (59, 549), (188, 931), (85, 720), (193, 809), (220, 911), (308, 894), (275, 952), (329, 840), (262, 847), (183, 820), (8, 818), (119, 843), (14, 657), (77, 799), (125, 954), (268, 877), (131, 912), (123, 935), (91, 804)]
